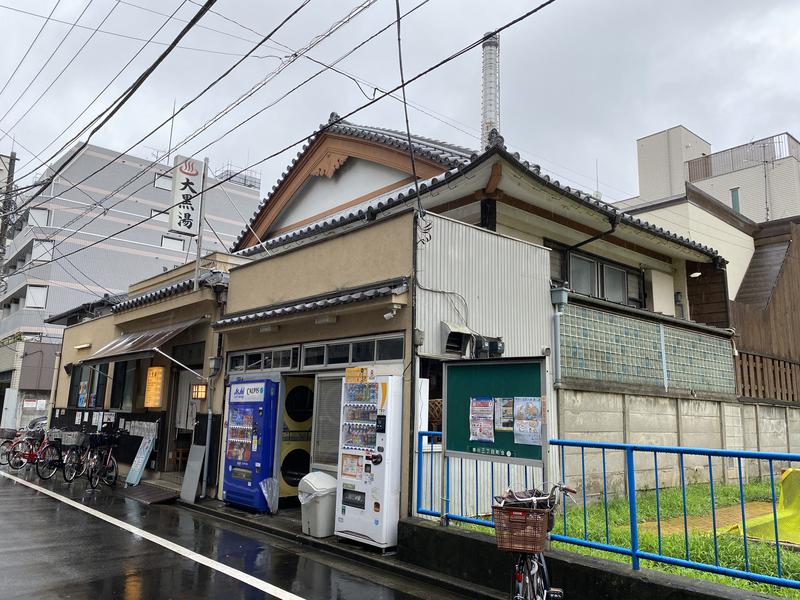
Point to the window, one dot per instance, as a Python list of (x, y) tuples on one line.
[(159, 215), (163, 182), (327, 409), (236, 364), (582, 275), (36, 296), (364, 351), (87, 387), (735, 199), (171, 243), (313, 355), (595, 276), (615, 283), (253, 362), (338, 354), (390, 349), (123, 386), (42, 250), (40, 217)]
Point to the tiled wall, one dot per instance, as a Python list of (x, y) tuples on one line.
[(603, 346)]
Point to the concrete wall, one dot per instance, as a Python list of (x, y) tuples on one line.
[(675, 421)]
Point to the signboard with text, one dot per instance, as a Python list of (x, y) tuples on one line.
[(154, 388), (187, 185)]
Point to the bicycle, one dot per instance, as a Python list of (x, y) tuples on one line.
[(102, 466), (522, 521), (46, 457), (77, 457)]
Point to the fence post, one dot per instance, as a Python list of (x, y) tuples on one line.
[(631, 478)]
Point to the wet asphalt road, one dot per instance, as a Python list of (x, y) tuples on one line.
[(52, 550)]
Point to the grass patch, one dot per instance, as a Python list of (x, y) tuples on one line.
[(730, 548)]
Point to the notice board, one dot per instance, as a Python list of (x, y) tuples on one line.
[(495, 410)]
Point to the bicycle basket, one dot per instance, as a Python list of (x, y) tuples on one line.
[(72, 438), (55, 434), (519, 529), (36, 435)]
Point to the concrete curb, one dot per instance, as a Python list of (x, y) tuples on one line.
[(384, 562)]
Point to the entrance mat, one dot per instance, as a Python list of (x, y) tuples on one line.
[(149, 494)]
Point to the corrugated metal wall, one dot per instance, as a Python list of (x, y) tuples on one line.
[(495, 285)]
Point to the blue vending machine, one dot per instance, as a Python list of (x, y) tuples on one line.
[(250, 449)]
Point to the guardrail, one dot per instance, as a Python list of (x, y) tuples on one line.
[(638, 501)]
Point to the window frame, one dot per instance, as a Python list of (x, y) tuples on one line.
[(638, 300), (174, 239), (736, 201), (46, 295)]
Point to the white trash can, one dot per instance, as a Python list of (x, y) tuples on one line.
[(317, 494)]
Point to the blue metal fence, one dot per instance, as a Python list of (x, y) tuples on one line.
[(606, 475)]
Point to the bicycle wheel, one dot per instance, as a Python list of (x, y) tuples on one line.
[(5, 446), (47, 461), (72, 464), (83, 462), (95, 469), (110, 473), (18, 454), (540, 583)]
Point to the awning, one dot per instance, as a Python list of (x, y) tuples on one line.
[(138, 344)]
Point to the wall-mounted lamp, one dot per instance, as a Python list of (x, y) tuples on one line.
[(325, 320), (269, 329), (83, 346), (695, 275), (199, 391)]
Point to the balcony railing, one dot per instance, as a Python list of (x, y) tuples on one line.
[(741, 157)]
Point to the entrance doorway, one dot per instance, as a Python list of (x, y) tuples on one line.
[(182, 422)]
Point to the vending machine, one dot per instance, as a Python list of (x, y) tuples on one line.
[(368, 487), (250, 442)]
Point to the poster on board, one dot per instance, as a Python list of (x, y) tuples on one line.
[(528, 420), (481, 419), (504, 414)]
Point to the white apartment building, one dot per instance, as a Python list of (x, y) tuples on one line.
[(760, 179)]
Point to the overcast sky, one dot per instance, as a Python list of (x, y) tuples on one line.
[(580, 80)]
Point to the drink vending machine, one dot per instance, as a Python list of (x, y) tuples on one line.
[(368, 487), (250, 443)]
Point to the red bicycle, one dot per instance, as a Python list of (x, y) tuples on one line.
[(37, 448)]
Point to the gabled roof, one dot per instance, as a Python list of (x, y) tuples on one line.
[(402, 196), (448, 156)]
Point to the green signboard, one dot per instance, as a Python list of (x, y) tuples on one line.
[(495, 410)]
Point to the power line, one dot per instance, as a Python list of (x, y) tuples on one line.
[(32, 44), (332, 122), (128, 36), (314, 42), (47, 61), (63, 70), (99, 94), (127, 94), (420, 210)]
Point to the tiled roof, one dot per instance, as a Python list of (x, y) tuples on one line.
[(448, 155), (369, 209), (208, 279), (348, 296)]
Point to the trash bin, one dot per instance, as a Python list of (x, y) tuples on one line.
[(317, 494)]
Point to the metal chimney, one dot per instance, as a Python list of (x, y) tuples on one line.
[(490, 94)]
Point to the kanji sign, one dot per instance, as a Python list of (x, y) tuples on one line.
[(187, 185)]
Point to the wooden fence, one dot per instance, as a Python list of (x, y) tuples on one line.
[(759, 376)]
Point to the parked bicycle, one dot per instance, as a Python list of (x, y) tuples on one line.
[(522, 521), (76, 459), (36, 447), (9, 436), (102, 466)]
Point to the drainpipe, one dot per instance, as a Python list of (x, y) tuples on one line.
[(53, 385), (559, 298), (614, 221)]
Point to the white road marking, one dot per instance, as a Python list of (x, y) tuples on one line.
[(198, 558)]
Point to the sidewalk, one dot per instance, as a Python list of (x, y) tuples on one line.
[(286, 525)]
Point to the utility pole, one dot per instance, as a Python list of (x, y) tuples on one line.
[(199, 238), (8, 203)]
